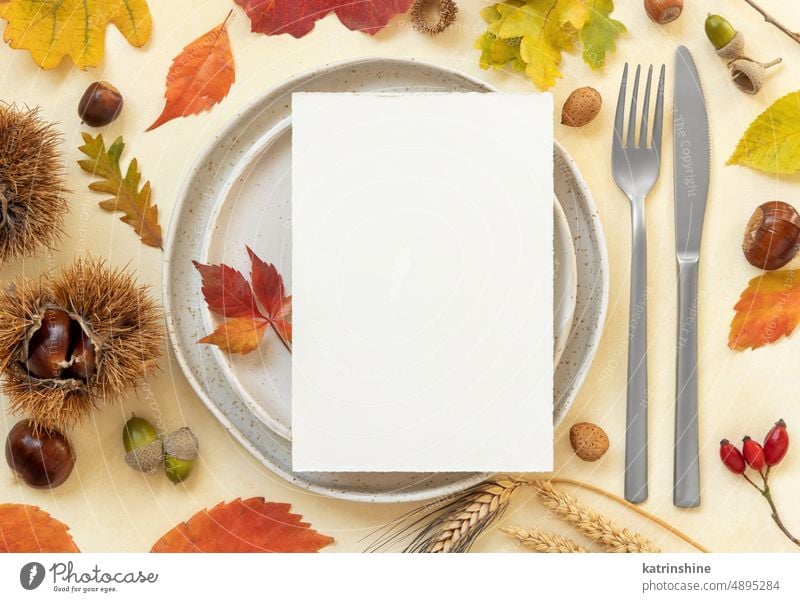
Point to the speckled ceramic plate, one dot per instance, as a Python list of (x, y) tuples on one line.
[(186, 314), (254, 210)]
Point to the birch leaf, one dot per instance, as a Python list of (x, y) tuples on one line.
[(772, 142)]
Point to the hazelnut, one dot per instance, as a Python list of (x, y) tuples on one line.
[(663, 11)]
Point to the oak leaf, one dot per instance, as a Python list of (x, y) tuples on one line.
[(768, 309), (25, 529), (230, 295), (251, 525), (772, 141), (135, 203), (297, 17), (53, 29), (199, 77), (531, 35)]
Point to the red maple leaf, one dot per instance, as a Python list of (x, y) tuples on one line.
[(228, 294), (297, 17), (251, 525)]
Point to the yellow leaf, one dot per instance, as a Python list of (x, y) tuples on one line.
[(53, 29), (772, 142)]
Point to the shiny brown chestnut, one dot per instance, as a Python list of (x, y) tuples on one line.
[(47, 349), (40, 458), (772, 235), (100, 104)]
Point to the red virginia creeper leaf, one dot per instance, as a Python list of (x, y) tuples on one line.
[(267, 285), (768, 310), (200, 76), (297, 17), (251, 525), (25, 529), (239, 335), (226, 291)]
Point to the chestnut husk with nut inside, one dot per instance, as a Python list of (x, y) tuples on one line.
[(73, 340), (772, 235)]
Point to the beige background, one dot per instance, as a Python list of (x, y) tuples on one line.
[(111, 508)]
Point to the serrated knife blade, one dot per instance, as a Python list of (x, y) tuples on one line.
[(691, 169)]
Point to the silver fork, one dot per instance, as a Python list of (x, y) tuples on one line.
[(635, 167)]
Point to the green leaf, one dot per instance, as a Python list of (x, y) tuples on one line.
[(532, 34), (772, 142), (599, 33)]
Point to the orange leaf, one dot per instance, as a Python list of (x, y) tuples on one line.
[(240, 335), (30, 529), (768, 310), (251, 525), (200, 76), (284, 327)]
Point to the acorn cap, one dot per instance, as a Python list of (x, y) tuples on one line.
[(733, 49), (181, 444), (32, 186), (117, 315), (749, 75), (147, 458)]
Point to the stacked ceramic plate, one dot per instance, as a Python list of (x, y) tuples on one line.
[(238, 195)]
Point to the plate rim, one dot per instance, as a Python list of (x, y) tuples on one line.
[(169, 311)]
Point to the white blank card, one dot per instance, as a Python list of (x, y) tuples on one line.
[(422, 275)]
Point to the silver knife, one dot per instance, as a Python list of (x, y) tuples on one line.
[(691, 172)]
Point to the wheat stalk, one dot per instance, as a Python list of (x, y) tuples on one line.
[(592, 524), (541, 541)]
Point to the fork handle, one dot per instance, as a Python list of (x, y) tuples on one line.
[(686, 484), (636, 428)]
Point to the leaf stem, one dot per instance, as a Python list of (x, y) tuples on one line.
[(772, 21), (281, 337)]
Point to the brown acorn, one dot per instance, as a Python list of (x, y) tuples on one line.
[(32, 192), (71, 341)]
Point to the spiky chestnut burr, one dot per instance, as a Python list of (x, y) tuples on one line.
[(32, 193), (74, 340)]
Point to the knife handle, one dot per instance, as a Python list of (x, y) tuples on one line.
[(636, 427), (686, 491)]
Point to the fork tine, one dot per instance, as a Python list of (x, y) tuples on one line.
[(619, 120), (632, 119), (646, 110), (659, 119)]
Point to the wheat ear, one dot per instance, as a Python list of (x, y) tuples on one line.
[(541, 541), (592, 524)]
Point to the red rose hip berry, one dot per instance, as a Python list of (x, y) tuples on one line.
[(753, 453), (776, 443), (731, 457)]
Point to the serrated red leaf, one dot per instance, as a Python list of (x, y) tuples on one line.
[(267, 285), (199, 77), (226, 291), (25, 529), (251, 525), (768, 309), (297, 17), (239, 335), (284, 327)]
